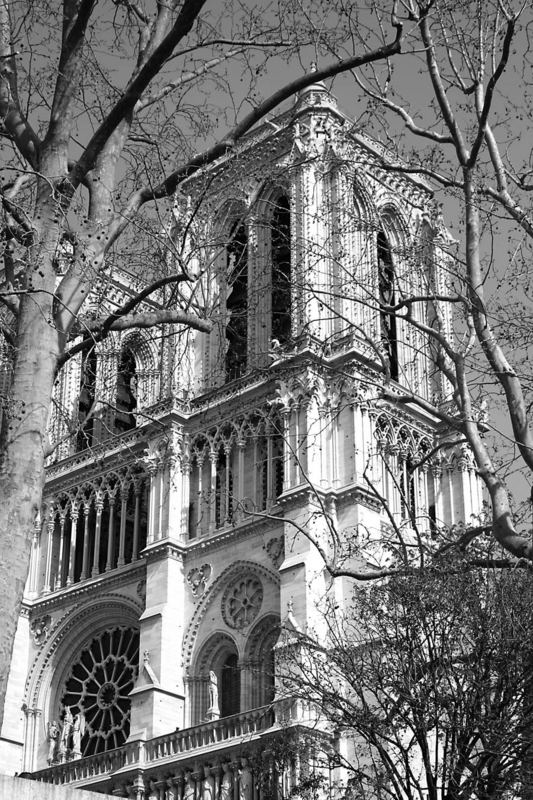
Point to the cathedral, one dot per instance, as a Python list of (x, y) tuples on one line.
[(197, 477)]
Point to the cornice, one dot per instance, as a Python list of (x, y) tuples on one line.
[(305, 493), (164, 548), (241, 530)]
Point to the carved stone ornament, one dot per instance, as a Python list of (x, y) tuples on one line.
[(242, 601), (40, 629), (99, 686), (275, 548), (197, 579)]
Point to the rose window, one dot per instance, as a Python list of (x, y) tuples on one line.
[(242, 601), (99, 686)]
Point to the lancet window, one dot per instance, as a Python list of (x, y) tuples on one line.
[(126, 394), (230, 679), (86, 428), (237, 302), (281, 271), (260, 651), (387, 298), (224, 488), (215, 683)]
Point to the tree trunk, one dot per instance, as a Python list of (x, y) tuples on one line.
[(22, 449)]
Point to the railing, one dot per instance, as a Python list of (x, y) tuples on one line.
[(91, 767), (178, 744), (210, 733)]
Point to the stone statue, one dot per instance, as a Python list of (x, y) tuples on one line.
[(189, 789), (245, 781), (66, 731), (53, 738), (208, 785), (226, 786), (213, 690), (78, 729), (213, 712), (171, 792)]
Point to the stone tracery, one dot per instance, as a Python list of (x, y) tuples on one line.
[(99, 685)]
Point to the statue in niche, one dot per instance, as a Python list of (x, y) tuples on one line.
[(66, 731), (213, 711), (208, 785), (245, 781), (189, 789), (172, 792), (78, 729), (53, 739), (226, 786)]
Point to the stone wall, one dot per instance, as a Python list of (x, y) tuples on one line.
[(24, 789)]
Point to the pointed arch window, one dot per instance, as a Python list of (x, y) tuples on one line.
[(230, 695), (86, 400), (237, 302), (407, 486), (126, 398), (281, 271), (387, 297), (223, 489)]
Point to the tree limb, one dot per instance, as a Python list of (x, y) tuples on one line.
[(13, 120), (169, 185)]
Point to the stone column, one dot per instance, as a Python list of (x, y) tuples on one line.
[(74, 511), (97, 534), (33, 576), (85, 560), (50, 524), (124, 490), (110, 534), (59, 572)]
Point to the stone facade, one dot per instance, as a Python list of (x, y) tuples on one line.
[(178, 523)]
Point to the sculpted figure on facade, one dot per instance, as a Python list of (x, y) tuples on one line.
[(189, 789), (226, 785), (53, 739), (245, 781), (171, 790), (66, 731), (208, 785), (213, 712), (78, 729)]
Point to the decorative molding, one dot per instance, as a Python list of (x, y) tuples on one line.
[(120, 576), (275, 549), (164, 549), (243, 529), (197, 579), (108, 606), (241, 602), (239, 568), (40, 629)]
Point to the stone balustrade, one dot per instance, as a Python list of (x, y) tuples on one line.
[(139, 763), (89, 769), (209, 733)]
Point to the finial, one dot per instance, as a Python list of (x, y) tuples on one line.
[(314, 66)]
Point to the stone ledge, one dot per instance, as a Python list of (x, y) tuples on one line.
[(27, 789)]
